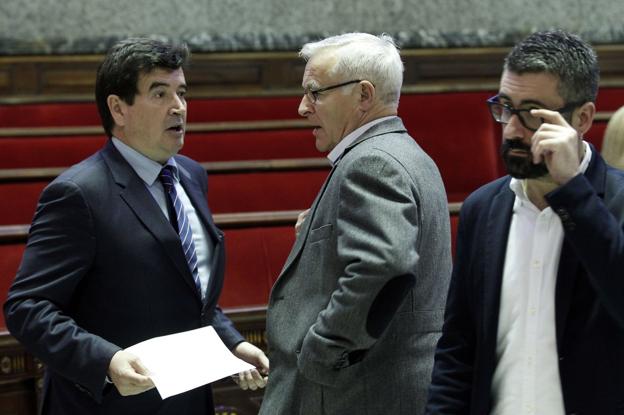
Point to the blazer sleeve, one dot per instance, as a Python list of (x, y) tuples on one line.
[(58, 255), (377, 230), (225, 329), (593, 226), (451, 385)]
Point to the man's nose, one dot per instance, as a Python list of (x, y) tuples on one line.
[(305, 106), (514, 127), (178, 107)]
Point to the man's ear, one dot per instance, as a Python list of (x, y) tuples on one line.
[(367, 94), (118, 109), (584, 117)]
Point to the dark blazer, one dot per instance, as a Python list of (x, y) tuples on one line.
[(589, 296), (103, 269), (357, 310)]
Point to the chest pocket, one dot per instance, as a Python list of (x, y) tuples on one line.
[(320, 233)]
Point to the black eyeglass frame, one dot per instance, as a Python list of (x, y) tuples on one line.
[(494, 101), (313, 94)]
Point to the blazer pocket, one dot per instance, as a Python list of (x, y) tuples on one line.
[(320, 233)]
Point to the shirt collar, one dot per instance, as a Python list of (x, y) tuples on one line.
[(516, 185), (146, 168), (350, 138)]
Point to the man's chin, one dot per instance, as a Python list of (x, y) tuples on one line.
[(522, 168), (527, 174)]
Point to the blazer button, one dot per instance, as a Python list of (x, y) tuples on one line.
[(563, 214)]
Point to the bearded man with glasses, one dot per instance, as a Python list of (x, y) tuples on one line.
[(356, 312), (534, 320)]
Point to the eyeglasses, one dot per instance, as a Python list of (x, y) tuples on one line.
[(502, 113), (313, 95)]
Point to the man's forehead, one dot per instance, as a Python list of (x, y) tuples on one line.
[(173, 77), (317, 70), (529, 86)]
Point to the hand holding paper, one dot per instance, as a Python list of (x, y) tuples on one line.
[(184, 361), (256, 378), (128, 374)]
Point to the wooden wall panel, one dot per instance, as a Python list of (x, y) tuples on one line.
[(71, 78)]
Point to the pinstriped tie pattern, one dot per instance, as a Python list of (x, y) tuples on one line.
[(184, 228)]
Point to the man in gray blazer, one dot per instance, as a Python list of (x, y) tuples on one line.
[(357, 310)]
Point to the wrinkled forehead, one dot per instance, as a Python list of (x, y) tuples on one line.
[(319, 70)]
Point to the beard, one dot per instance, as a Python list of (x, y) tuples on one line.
[(520, 167)]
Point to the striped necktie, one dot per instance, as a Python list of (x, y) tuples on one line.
[(184, 228)]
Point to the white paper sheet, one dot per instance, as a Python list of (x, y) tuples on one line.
[(184, 361)]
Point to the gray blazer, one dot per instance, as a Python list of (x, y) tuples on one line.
[(357, 310)]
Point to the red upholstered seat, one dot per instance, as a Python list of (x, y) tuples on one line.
[(255, 257), (257, 192), (227, 193), (199, 110), (58, 114), (10, 258), (250, 145), (595, 135), (609, 99), (458, 132), (33, 152), (19, 201)]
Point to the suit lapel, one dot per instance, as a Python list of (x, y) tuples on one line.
[(497, 232), (145, 208), (393, 125), (303, 234)]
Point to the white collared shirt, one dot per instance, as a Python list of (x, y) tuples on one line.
[(350, 138), (148, 170), (526, 379)]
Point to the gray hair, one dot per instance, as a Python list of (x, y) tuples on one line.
[(562, 54), (366, 57)]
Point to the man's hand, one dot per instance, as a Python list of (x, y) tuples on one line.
[(256, 378), (557, 144), (300, 219), (128, 374)]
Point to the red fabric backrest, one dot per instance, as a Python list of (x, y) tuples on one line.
[(19, 201), (10, 258), (33, 152), (609, 99), (199, 110), (227, 193), (457, 131), (255, 257), (253, 192)]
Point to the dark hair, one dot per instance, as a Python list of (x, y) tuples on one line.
[(565, 55), (119, 73)]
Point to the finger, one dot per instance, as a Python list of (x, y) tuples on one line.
[(259, 380), (249, 379), (139, 367), (550, 117), (264, 364), (241, 381)]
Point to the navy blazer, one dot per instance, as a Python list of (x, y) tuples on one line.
[(589, 296), (103, 269)]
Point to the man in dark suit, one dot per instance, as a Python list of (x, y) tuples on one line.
[(357, 310), (534, 322), (105, 268)]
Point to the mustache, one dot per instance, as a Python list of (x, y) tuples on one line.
[(508, 145)]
